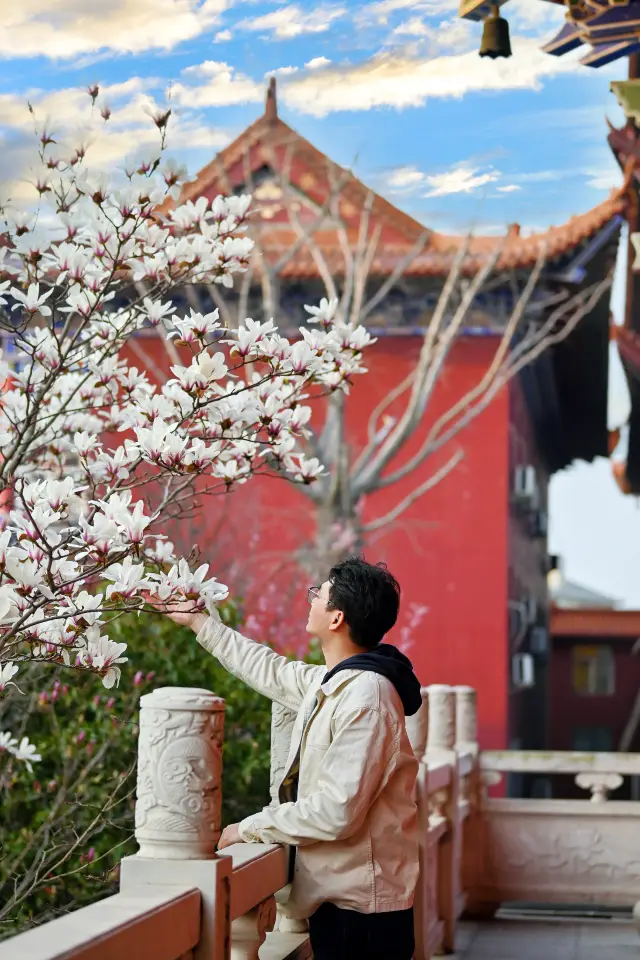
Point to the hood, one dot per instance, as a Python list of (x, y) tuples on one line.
[(387, 661)]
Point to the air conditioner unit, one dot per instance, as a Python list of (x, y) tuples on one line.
[(539, 524), (525, 484), (539, 641), (522, 670)]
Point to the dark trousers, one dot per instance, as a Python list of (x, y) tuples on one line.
[(338, 934)]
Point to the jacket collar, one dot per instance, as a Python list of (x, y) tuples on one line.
[(338, 680)]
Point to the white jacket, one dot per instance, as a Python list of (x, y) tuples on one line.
[(354, 821)]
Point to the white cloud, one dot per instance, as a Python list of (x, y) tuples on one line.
[(316, 63), (509, 188), (607, 179), (462, 178), (398, 80), (404, 178), (222, 86), (222, 36), (69, 28), (282, 71), (382, 10), (446, 37), (292, 21)]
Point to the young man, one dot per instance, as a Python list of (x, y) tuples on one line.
[(346, 801)]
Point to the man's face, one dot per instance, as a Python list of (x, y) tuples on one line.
[(320, 619)]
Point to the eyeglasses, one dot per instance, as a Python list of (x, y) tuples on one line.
[(312, 593)]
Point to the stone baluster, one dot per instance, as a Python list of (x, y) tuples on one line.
[(441, 741), (178, 807), (249, 932), (441, 734), (418, 725), (600, 784), (466, 720), (467, 738)]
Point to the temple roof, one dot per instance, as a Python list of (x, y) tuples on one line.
[(314, 184)]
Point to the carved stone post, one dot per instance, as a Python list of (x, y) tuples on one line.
[(177, 820), (441, 740), (466, 719), (471, 791), (249, 932), (179, 774), (418, 725), (442, 719)]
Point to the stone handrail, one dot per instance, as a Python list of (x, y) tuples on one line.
[(600, 773), (159, 923), (180, 900)]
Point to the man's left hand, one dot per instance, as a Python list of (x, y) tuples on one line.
[(229, 835)]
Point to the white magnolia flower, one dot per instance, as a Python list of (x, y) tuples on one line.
[(32, 301), (128, 578), (7, 671), (102, 656), (7, 742), (26, 752)]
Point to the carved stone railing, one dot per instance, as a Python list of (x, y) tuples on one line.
[(447, 800), (557, 851), (180, 900)]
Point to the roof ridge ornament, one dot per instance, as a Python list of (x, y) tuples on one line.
[(271, 103)]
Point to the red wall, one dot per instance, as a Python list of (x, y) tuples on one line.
[(448, 550)]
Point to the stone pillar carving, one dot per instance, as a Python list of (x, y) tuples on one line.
[(282, 721), (441, 734), (179, 774), (418, 725), (466, 719), (249, 932)]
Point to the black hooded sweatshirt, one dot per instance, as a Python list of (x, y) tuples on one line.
[(389, 662)]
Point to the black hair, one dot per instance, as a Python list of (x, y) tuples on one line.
[(368, 596)]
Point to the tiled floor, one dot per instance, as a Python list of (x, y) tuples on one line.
[(516, 938)]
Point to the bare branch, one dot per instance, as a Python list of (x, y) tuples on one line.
[(214, 292), (387, 400), (372, 461), (419, 491), (487, 379), (394, 276), (585, 301)]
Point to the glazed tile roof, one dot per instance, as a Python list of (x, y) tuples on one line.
[(311, 177)]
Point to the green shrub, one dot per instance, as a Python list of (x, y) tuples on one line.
[(66, 826)]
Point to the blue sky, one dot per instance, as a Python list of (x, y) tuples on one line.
[(393, 88)]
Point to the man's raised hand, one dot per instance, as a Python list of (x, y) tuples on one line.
[(183, 612)]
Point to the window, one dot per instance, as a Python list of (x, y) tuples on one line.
[(591, 740), (593, 670)]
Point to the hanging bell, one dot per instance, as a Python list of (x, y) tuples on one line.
[(495, 36)]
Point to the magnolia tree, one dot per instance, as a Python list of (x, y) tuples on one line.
[(96, 458)]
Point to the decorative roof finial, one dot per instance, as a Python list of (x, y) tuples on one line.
[(271, 103)]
